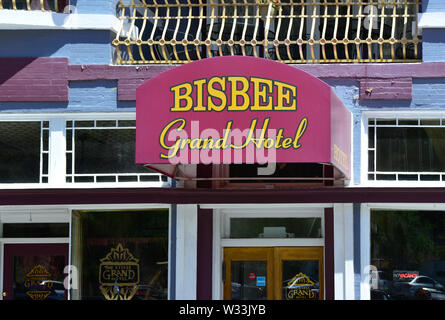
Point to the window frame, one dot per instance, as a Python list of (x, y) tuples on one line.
[(391, 114), (57, 172), (43, 150)]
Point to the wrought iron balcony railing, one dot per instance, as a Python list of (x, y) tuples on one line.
[(42, 5), (290, 31)]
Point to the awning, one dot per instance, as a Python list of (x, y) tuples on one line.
[(239, 110)]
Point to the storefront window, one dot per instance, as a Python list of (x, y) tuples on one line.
[(408, 251), (121, 255)]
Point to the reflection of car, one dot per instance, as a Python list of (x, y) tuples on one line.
[(420, 288), (243, 291), (379, 295), (147, 292), (57, 289)]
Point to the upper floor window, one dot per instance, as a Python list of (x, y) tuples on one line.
[(103, 151), (406, 149), (42, 5), (303, 31), (72, 151), (24, 151)]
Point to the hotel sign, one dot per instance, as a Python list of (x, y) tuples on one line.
[(240, 110)]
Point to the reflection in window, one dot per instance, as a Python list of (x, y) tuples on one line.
[(408, 250), (104, 151), (24, 152), (122, 255), (35, 230), (40, 5), (406, 149), (275, 228), (39, 277)]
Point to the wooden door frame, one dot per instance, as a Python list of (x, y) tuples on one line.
[(254, 254), (297, 253), (274, 256), (28, 249)]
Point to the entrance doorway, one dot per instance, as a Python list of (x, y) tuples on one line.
[(273, 273), (34, 271)]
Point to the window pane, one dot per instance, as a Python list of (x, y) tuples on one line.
[(275, 228), (406, 245), (20, 152), (35, 230), (245, 287), (106, 151), (411, 149), (122, 254), (39, 277), (300, 280)]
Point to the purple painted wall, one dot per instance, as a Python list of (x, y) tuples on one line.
[(34, 79), (47, 79), (386, 89)]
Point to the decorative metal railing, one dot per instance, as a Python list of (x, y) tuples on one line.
[(43, 5), (290, 31)]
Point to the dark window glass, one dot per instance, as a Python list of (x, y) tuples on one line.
[(243, 286), (122, 254), (20, 152), (46, 5), (105, 151), (408, 250), (35, 230), (39, 277), (275, 227), (410, 149), (282, 170)]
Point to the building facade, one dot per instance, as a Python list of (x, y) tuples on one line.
[(90, 210)]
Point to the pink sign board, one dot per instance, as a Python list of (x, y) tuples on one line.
[(240, 110)]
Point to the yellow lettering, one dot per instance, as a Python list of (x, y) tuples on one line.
[(249, 136), (261, 88), (286, 97), (178, 97), (239, 92), (300, 131), (162, 138), (199, 94), (287, 143), (216, 93)]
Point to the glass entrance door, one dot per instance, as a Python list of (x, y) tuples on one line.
[(273, 273), (34, 271)]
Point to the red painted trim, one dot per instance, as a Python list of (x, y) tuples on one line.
[(220, 196), (329, 253), (204, 255), (27, 249)]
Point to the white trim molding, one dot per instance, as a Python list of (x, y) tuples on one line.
[(29, 20), (431, 20), (396, 115)]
